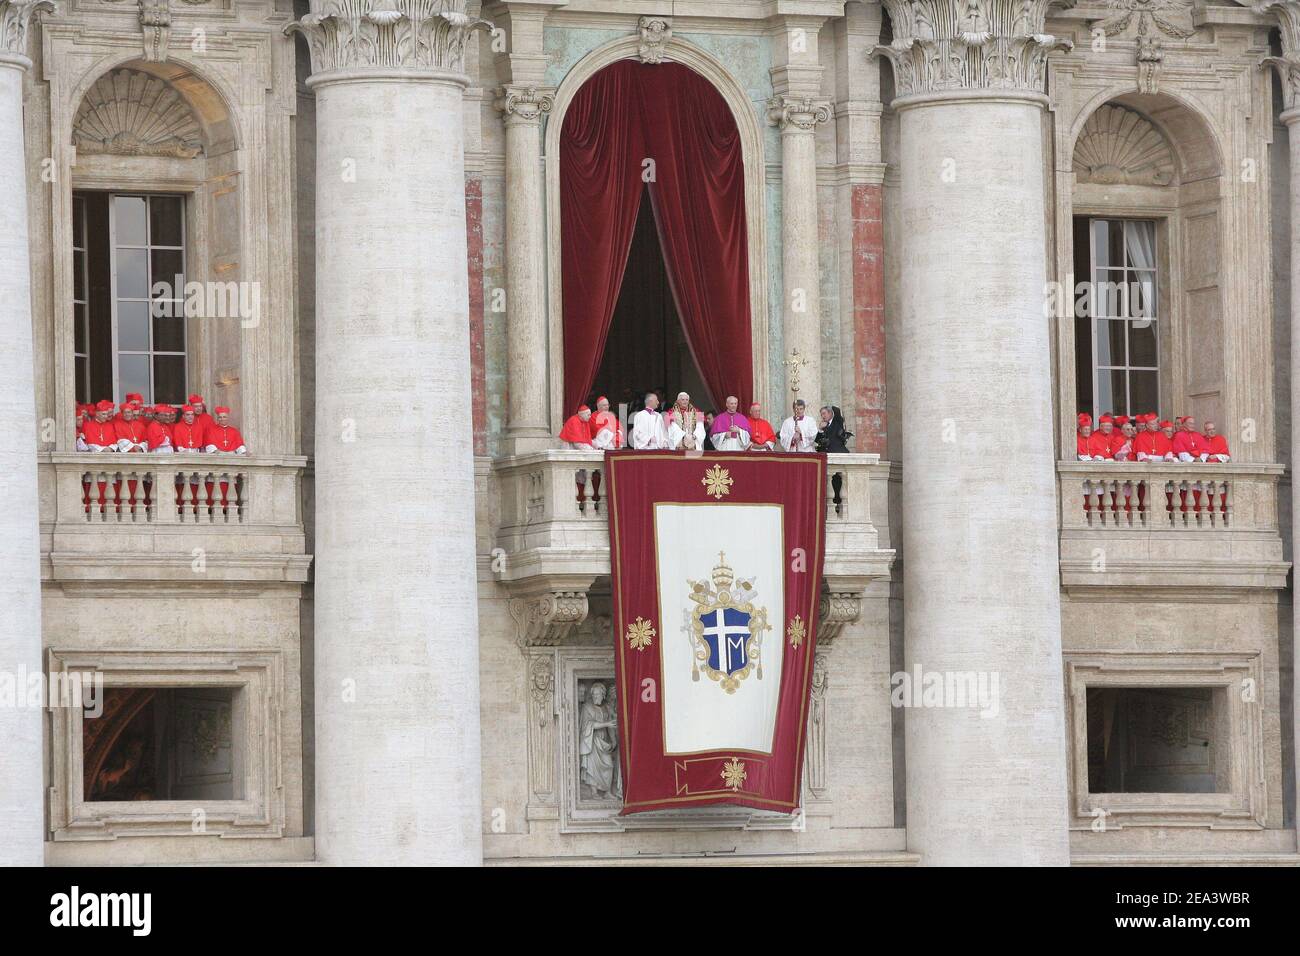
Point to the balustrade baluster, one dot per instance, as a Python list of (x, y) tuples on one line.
[(225, 495), (132, 484), (580, 477), (103, 496)]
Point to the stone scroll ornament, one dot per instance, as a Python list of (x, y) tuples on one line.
[(716, 567), (388, 34), (947, 45)]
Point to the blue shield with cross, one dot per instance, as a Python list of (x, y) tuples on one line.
[(726, 631)]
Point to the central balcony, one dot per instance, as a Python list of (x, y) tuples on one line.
[(552, 535)]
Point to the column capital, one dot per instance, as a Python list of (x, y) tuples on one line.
[(947, 46), (1287, 14), (384, 36), (15, 17), (524, 104), (797, 113)]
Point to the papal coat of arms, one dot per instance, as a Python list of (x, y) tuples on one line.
[(726, 628)]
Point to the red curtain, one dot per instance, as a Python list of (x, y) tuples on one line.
[(627, 113)]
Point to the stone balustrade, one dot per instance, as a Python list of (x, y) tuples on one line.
[(158, 516), (1170, 524)]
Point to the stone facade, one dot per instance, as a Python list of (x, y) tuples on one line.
[(412, 616)]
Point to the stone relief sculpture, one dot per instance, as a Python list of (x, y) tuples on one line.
[(541, 691), (1119, 146), (131, 113), (600, 776)]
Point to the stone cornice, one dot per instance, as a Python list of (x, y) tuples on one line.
[(15, 18), (797, 114), (388, 35), (970, 45)]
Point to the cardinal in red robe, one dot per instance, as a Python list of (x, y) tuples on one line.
[(576, 432), (1188, 443), (1105, 441), (187, 434), (131, 430), (100, 432), (1081, 435), (159, 431), (762, 438), (221, 436), (200, 410), (1216, 445)]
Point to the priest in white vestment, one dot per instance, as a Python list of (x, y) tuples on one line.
[(731, 430), (685, 425), (799, 431), (648, 428)]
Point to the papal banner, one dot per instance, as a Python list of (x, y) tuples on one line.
[(717, 564)]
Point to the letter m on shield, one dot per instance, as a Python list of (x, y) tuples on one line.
[(726, 631)]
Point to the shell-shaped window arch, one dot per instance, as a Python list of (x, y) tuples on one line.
[(132, 113), (1119, 146)]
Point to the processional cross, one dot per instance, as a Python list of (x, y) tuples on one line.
[(792, 366)]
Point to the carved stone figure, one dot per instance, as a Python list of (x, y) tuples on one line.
[(601, 776)]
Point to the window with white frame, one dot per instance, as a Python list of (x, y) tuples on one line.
[(1117, 339), (130, 258)]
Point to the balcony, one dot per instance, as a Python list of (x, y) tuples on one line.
[(1170, 525), (552, 538), (172, 517)]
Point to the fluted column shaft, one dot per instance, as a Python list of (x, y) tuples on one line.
[(526, 338), (22, 777), (985, 785), (396, 628)]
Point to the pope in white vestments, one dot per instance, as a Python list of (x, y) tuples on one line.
[(685, 425), (799, 431), (648, 428)]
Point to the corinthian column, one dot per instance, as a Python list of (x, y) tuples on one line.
[(396, 633), (22, 814), (798, 118), (1288, 69), (985, 785), (525, 260)]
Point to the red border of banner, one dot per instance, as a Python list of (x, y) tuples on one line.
[(661, 780)]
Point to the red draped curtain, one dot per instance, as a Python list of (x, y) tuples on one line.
[(626, 114)]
